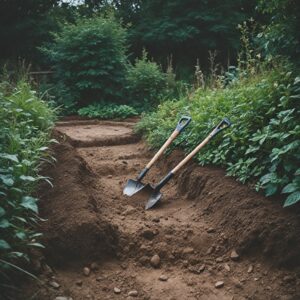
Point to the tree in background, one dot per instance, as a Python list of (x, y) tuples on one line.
[(281, 33), (185, 29), (89, 61), (25, 25)]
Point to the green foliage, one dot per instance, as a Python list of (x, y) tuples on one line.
[(281, 34), (263, 143), (24, 25), (25, 122), (107, 111), (89, 61), (145, 83), (187, 29)]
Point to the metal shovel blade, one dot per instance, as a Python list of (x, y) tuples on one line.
[(154, 198), (149, 194), (132, 187)]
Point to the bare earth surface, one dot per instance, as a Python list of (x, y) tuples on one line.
[(210, 238)]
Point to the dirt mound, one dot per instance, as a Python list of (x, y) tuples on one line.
[(189, 237), (255, 225), (74, 226)]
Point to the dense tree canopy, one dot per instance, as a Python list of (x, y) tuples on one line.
[(187, 29)]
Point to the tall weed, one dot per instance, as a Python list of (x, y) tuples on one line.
[(25, 122), (263, 144)]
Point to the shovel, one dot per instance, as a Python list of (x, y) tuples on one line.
[(133, 186), (153, 193)]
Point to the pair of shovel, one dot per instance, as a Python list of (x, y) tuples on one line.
[(152, 194), (134, 186)]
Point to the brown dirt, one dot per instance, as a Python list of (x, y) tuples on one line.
[(201, 219)]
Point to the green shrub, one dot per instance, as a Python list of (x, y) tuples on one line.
[(262, 145), (25, 122), (107, 111), (89, 61), (145, 83)]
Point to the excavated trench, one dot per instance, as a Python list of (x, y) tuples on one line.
[(208, 229)]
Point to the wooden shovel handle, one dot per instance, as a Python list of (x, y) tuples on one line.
[(182, 123), (163, 148), (225, 123), (193, 153)]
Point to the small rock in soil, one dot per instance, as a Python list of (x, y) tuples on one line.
[(94, 266), (227, 267), (188, 250), (237, 284), (210, 230), (196, 270), (156, 220), (219, 259), (234, 256), (210, 250), (144, 260), (86, 271), (250, 269), (117, 290), (202, 268), (155, 261), (148, 234), (219, 284), (129, 210), (133, 293), (79, 282), (185, 263), (63, 298), (163, 278), (54, 284), (288, 279), (109, 176)]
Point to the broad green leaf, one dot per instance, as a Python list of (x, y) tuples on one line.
[(4, 245), (29, 203), (271, 189), (38, 245), (7, 180), (11, 157), (2, 211), (292, 199), (4, 223), (291, 187), (21, 235), (43, 148), (27, 178)]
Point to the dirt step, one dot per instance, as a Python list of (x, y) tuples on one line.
[(127, 123), (95, 135), (136, 152)]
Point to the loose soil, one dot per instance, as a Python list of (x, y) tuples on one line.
[(203, 219)]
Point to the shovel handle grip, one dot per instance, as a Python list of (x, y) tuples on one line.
[(183, 122), (225, 123), (181, 125)]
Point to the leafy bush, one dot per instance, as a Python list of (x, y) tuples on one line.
[(281, 34), (25, 121), (145, 83), (263, 143), (107, 111), (89, 61)]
